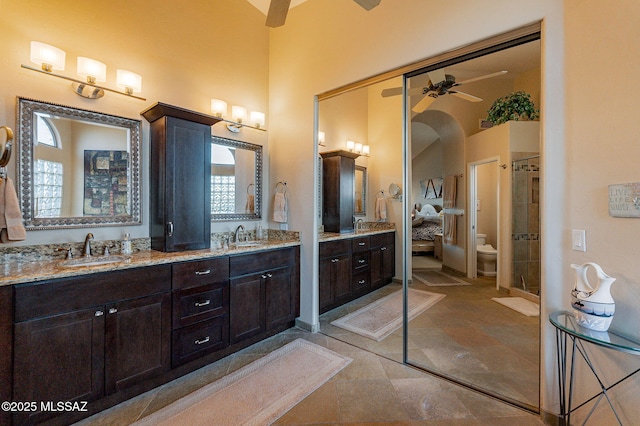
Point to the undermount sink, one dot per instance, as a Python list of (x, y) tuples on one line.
[(249, 243), (91, 261)]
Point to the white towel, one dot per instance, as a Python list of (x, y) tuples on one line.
[(11, 227), (280, 208), (381, 209), (449, 187), (450, 229)]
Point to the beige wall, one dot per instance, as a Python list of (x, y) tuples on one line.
[(186, 56)]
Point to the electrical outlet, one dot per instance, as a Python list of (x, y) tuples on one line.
[(579, 239)]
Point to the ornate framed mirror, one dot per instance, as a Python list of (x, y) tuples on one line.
[(77, 168)]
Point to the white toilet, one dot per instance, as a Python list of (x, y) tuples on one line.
[(487, 256)]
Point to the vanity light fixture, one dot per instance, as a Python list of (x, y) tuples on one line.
[(365, 150), (51, 58), (351, 145), (358, 148), (238, 120)]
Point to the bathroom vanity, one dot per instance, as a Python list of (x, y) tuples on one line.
[(103, 334), (352, 265)]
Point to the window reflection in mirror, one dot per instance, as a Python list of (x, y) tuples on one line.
[(360, 187), (77, 168), (236, 179)]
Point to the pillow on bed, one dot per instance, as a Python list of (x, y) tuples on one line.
[(427, 210), (417, 222)]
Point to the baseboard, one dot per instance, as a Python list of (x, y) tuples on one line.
[(312, 328), (550, 419)]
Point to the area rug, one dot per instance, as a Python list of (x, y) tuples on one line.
[(258, 393), (519, 304), (436, 278), (379, 319)]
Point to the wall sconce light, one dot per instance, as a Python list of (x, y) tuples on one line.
[(238, 116), (51, 58), (321, 139)]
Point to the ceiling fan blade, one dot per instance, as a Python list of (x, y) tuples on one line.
[(368, 4), (482, 77), (277, 13), (395, 91), (437, 76), (424, 102), (465, 96)]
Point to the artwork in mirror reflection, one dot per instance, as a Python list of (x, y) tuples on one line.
[(77, 168), (236, 180)]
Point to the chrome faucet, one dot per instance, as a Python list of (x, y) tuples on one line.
[(358, 222), (86, 251), (238, 233)]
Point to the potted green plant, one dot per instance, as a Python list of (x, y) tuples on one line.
[(514, 106)]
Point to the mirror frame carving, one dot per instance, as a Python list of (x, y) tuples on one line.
[(257, 184), (25, 149)]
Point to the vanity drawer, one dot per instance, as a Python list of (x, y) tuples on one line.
[(197, 340), (360, 262), (380, 240), (200, 303), (335, 248), (360, 244), (360, 283), (199, 272)]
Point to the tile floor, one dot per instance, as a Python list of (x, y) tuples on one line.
[(466, 336), (370, 390)]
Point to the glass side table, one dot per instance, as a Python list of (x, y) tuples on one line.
[(567, 328)]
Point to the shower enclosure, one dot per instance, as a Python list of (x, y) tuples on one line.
[(526, 223)]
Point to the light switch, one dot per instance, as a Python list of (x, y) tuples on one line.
[(579, 239)]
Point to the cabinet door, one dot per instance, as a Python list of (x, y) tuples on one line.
[(138, 340), (341, 277), (325, 280), (376, 268), (388, 262), (281, 303), (59, 358), (247, 313)]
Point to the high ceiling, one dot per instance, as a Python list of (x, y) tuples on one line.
[(263, 5)]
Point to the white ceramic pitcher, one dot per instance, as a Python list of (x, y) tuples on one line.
[(593, 305)]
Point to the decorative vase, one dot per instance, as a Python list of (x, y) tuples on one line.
[(593, 307)]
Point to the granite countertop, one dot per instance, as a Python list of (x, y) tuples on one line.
[(16, 272), (332, 236)]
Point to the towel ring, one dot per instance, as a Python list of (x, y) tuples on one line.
[(281, 187), (249, 188), (5, 146)]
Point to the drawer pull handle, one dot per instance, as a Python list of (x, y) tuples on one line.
[(334, 260), (170, 229), (269, 275), (361, 244), (112, 310), (99, 313), (383, 248), (205, 303), (205, 272), (203, 341), (361, 261), (264, 277), (361, 282)]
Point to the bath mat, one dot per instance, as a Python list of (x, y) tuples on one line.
[(258, 393), (519, 304), (379, 319), (436, 278)]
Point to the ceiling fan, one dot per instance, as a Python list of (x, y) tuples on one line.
[(278, 10), (440, 84)]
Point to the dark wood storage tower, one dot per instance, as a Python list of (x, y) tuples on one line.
[(180, 178), (338, 177)]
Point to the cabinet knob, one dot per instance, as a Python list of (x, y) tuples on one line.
[(361, 244), (334, 260), (205, 303), (113, 310), (361, 282), (205, 272), (269, 275), (99, 313), (383, 248), (203, 341), (264, 277), (361, 261)]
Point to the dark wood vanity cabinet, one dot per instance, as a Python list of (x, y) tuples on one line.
[(382, 259), (338, 190), (354, 266), (264, 292), (335, 274), (79, 339), (180, 178), (200, 308)]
